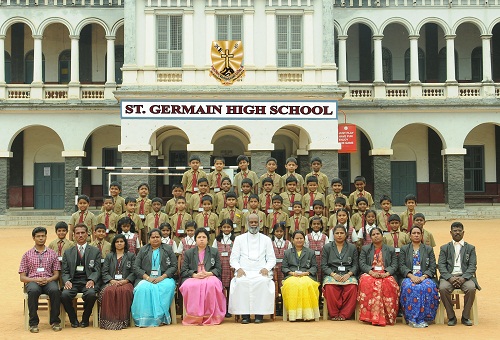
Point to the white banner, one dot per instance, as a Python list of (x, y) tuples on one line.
[(286, 110)]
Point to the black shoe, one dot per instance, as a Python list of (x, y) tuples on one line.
[(228, 315), (245, 321), (84, 324), (259, 319), (466, 322), (452, 321), (75, 324)]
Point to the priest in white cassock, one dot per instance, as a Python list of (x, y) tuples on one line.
[(252, 288)]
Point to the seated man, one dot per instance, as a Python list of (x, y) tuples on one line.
[(457, 265), (252, 288), (39, 269), (81, 273)]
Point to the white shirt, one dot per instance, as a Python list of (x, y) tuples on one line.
[(457, 263), (280, 243), (81, 248), (189, 241), (226, 239), (359, 235), (252, 252), (315, 236)]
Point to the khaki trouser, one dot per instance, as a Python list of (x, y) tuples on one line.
[(445, 290)]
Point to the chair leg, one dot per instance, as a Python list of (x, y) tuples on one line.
[(62, 316), (26, 313), (173, 313), (95, 315), (474, 313), (439, 320), (285, 313), (325, 310)]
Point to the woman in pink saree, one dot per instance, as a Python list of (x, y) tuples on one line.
[(201, 287)]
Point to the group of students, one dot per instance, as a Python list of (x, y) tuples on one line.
[(284, 204)]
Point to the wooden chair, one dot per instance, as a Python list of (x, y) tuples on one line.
[(441, 310), (79, 305), (44, 304)]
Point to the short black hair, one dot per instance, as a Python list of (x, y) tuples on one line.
[(203, 179), (312, 179), (123, 221), (291, 160), (83, 197), (130, 199), (277, 198), (359, 179), (115, 184), (143, 184), (201, 230), (242, 158), (316, 159), (385, 198), (247, 181), (361, 199), (291, 179), (337, 180), (39, 230), (116, 238), (271, 159), (61, 225), (457, 225), (157, 199), (100, 226), (207, 198), (340, 200), (265, 180), (194, 158), (410, 197)]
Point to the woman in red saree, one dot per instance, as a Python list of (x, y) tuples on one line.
[(378, 290)]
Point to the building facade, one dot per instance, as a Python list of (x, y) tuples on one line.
[(421, 81)]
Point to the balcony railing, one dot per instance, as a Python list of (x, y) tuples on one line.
[(415, 3), (72, 3)]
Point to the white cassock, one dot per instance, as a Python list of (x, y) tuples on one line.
[(252, 293)]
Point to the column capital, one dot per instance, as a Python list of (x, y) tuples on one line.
[(37, 36), (453, 151), (6, 154), (134, 148), (149, 11), (210, 10), (450, 36), (381, 152), (486, 36), (2, 36), (342, 37), (74, 37), (414, 36), (377, 36), (248, 11), (110, 37), (270, 11), (73, 153), (188, 11), (309, 11)]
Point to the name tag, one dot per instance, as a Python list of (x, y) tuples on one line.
[(244, 210), (298, 271), (196, 189), (207, 229), (80, 268), (270, 211), (40, 270), (397, 250), (180, 231), (290, 208), (141, 217), (378, 268), (235, 225), (279, 260), (317, 252), (216, 189), (102, 260), (416, 267), (59, 258), (154, 273), (311, 207), (118, 276), (200, 209), (224, 254), (341, 268)]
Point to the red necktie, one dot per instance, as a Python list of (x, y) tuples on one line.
[(99, 245), (275, 218), (245, 202), (317, 175), (395, 239), (360, 194), (410, 221), (219, 180), (291, 203), (231, 215), (387, 220), (225, 206), (201, 201), (205, 220), (141, 207), (195, 180), (129, 215), (245, 174), (106, 221), (60, 246), (179, 223), (296, 223), (311, 202), (82, 216), (362, 220), (268, 202), (157, 220)]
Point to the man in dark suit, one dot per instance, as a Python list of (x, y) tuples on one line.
[(457, 265), (81, 273)]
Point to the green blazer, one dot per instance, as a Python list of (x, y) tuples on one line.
[(305, 263), (143, 262), (211, 262), (427, 260), (388, 254), (126, 267), (468, 262)]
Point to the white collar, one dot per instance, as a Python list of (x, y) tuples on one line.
[(461, 242), (316, 233), (128, 233), (82, 246), (189, 238), (276, 240), (165, 239), (226, 238)]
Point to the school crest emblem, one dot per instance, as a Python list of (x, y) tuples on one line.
[(227, 58)]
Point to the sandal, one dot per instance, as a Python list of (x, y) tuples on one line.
[(341, 318)]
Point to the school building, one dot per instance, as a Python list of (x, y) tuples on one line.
[(420, 79)]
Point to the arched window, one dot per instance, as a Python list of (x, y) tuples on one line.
[(476, 64), (421, 65), (8, 67), (442, 65), (65, 67), (386, 65), (29, 62)]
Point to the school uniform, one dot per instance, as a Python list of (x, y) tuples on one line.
[(240, 176), (225, 246), (300, 180), (322, 181), (279, 247), (170, 242), (298, 222), (211, 263), (195, 204), (308, 200), (103, 246), (288, 199), (324, 221), (143, 207), (170, 208), (277, 217), (407, 220), (133, 241), (220, 201), (355, 195), (138, 225), (316, 241), (277, 182), (262, 218), (215, 180), (358, 220), (60, 247), (330, 201), (428, 239), (243, 202), (190, 185), (119, 207), (85, 217), (110, 220), (110, 268), (178, 222), (383, 220), (154, 220), (234, 215), (266, 202), (332, 221), (208, 220), (185, 243), (401, 237)]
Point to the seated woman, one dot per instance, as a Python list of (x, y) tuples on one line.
[(115, 298), (300, 288), (154, 268), (419, 292), (378, 290), (339, 262), (201, 287)]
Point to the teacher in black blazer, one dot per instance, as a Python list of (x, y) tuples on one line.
[(300, 288), (115, 298), (201, 287), (81, 273)]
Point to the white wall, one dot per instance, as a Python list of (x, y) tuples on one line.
[(410, 144)]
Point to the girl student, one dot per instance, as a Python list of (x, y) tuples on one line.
[(126, 227), (224, 244), (316, 240), (280, 244), (344, 220), (363, 234), (166, 236)]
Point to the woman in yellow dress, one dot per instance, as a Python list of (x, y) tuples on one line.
[(300, 288)]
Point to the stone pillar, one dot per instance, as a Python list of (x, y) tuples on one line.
[(454, 187), (486, 42), (4, 180), (129, 32), (381, 173), (258, 161), (450, 59), (2, 61), (131, 182), (72, 159), (75, 59), (304, 162), (414, 73), (37, 60), (342, 59), (330, 159), (248, 15), (110, 61), (308, 43)]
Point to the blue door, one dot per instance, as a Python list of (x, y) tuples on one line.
[(49, 185), (403, 181)]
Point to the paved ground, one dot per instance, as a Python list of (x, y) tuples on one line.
[(481, 233)]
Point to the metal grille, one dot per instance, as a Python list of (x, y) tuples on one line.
[(289, 40), (229, 27), (169, 41)]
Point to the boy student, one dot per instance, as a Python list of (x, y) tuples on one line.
[(359, 183), (385, 213), (253, 208), (298, 221), (100, 241), (143, 206), (339, 203), (119, 202), (311, 196), (215, 177), (266, 197), (396, 238), (427, 238), (61, 243), (179, 219), (243, 163), (191, 177), (206, 218), (407, 216), (130, 203), (233, 213), (277, 216), (246, 190), (271, 165), (290, 195), (156, 217), (291, 165), (319, 209), (170, 207), (358, 218), (220, 197), (82, 216), (337, 187), (108, 217), (316, 164), (195, 204)]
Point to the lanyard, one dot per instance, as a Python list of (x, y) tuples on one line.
[(156, 261), (118, 265)]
